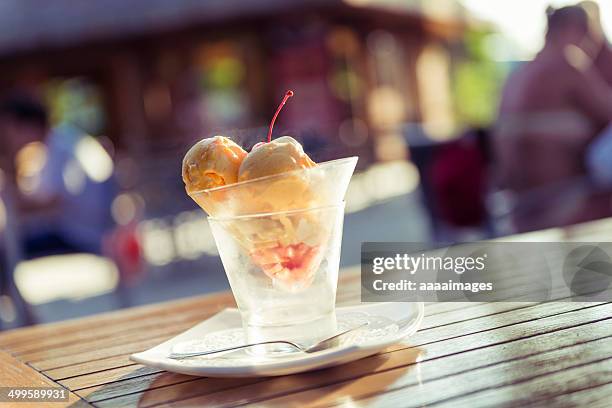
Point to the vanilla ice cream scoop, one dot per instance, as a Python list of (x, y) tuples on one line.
[(278, 156), (212, 162)]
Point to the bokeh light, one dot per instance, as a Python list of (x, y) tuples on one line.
[(2, 216), (125, 208), (74, 177), (29, 162), (71, 277), (353, 132), (94, 159)]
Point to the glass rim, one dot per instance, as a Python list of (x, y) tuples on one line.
[(273, 176), (341, 205)]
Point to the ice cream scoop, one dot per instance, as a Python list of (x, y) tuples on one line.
[(260, 199), (278, 156), (212, 162)]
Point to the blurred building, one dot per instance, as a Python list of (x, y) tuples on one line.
[(155, 75)]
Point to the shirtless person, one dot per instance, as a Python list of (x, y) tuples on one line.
[(602, 49), (551, 108)]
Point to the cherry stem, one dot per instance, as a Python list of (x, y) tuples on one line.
[(288, 95)]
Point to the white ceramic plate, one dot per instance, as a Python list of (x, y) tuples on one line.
[(224, 330)]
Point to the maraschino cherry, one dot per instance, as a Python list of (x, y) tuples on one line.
[(288, 95)]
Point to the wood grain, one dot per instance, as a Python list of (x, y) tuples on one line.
[(414, 389), (464, 355), (107, 333), (581, 377), (398, 359), (115, 320), (14, 373), (74, 366), (597, 396)]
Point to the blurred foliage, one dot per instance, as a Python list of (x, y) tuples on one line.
[(77, 102), (477, 82), (222, 73)]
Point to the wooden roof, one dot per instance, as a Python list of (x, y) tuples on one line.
[(32, 24)]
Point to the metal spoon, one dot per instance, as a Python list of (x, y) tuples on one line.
[(325, 344)]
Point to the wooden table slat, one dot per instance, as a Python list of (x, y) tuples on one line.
[(14, 373), (87, 378), (107, 333), (489, 387), (100, 354), (456, 345), (578, 378), (596, 396), (430, 362), (88, 367), (137, 315), (403, 383), (69, 366), (465, 354), (504, 319), (72, 350)]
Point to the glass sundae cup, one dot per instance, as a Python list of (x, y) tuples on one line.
[(279, 239), (283, 271)]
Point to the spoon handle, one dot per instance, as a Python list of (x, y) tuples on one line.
[(179, 356)]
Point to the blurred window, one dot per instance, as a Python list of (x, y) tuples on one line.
[(76, 101), (388, 102), (221, 71), (433, 72), (348, 84)]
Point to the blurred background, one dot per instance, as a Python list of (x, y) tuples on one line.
[(472, 119)]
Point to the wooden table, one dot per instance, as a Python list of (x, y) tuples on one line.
[(466, 354)]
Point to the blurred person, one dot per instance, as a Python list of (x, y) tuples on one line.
[(78, 173), (599, 152), (10, 255), (22, 121), (122, 244), (601, 49), (551, 109), (63, 209), (598, 159)]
